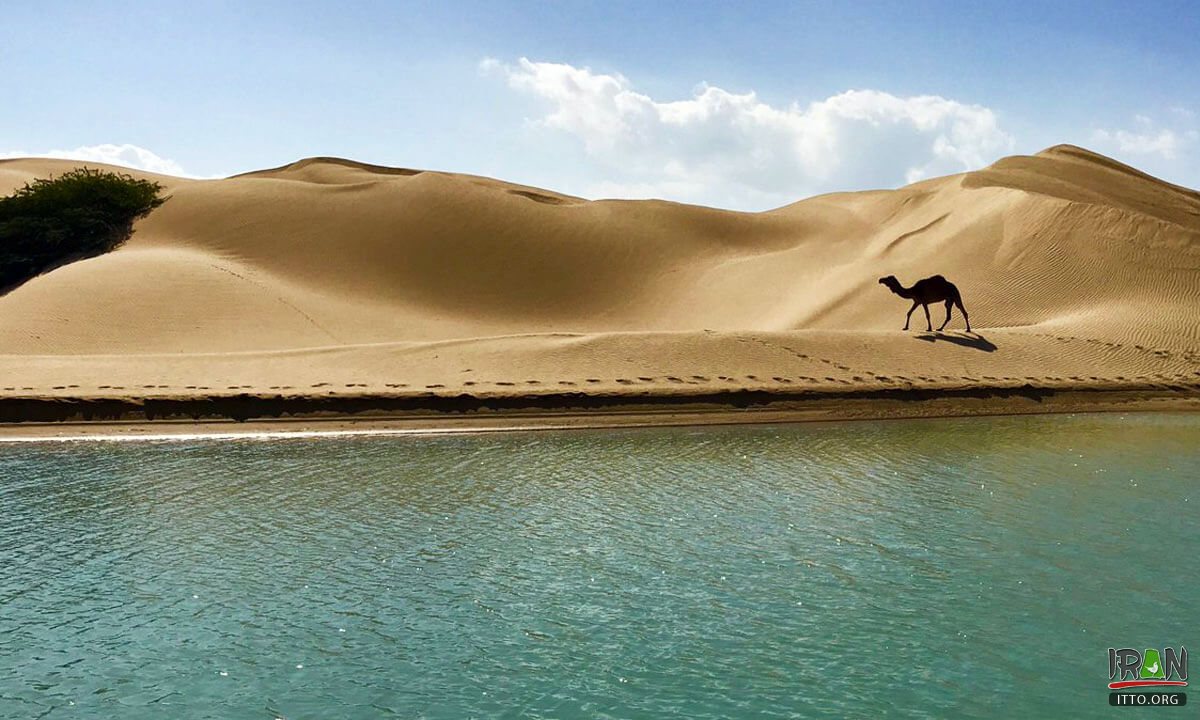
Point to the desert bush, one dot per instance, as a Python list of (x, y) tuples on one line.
[(81, 213)]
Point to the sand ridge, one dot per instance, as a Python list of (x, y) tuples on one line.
[(333, 277)]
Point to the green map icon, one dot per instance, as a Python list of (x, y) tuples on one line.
[(1151, 667)]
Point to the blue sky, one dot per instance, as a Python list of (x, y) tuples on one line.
[(745, 106)]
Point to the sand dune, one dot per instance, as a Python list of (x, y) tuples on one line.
[(333, 277)]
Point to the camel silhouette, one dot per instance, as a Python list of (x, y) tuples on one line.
[(930, 290)]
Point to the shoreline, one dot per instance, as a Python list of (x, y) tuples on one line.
[(237, 417)]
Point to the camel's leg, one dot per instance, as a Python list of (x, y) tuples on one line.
[(963, 310), (927, 320), (909, 315), (949, 304)]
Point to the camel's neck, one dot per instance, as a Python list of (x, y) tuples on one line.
[(901, 290)]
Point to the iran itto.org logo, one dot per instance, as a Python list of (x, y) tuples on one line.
[(1139, 679)]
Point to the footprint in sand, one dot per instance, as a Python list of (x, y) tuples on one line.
[(594, 380), (467, 383), (319, 385), (533, 382), (645, 379), (700, 377), (674, 379), (751, 377), (781, 379), (431, 387), (565, 382), (624, 381), (506, 384)]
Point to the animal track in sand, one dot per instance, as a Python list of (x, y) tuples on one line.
[(645, 379), (594, 380), (506, 384)]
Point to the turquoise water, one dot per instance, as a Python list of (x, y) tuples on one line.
[(938, 568)]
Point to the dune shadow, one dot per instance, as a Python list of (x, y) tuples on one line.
[(971, 340)]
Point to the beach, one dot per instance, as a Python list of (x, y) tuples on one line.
[(333, 291)]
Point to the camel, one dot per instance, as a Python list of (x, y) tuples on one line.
[(930, 290)]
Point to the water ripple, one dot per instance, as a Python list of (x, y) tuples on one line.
[(859, 569)]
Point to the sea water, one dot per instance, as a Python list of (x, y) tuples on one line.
[(928, 568)]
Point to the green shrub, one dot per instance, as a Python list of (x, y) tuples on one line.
[(79, 214)]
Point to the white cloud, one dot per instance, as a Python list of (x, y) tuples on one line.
[(734, 150), (130, 156), (1149, 138)]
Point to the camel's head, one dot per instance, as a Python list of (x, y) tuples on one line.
[(890, 281)]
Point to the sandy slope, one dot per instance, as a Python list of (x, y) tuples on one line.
[(333, 277)]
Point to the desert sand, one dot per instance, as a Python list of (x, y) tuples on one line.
[(335, 287)]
